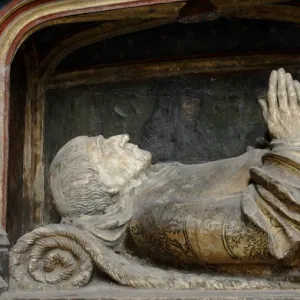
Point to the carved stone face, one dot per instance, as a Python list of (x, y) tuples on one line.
[(118, 161)]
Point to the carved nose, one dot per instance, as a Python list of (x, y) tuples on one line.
[(123, 139)]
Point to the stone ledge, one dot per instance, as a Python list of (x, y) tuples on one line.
[(107, 291)]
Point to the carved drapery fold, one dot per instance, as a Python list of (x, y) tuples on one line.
[(61, 257), (51, 256)]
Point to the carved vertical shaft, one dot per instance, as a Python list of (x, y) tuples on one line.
[(33, 174)]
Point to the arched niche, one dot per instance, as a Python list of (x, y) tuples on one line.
[(22, 109), (21, 124), (19, 19)]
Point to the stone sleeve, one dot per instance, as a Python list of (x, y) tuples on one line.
[(272, 202)]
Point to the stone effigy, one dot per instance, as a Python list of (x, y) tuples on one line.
[(228, 224)]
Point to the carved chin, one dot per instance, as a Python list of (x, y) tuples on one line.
[(146, 160), (144, 156)]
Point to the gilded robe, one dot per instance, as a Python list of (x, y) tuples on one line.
[(238, 216)]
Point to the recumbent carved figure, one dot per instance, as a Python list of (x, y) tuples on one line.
[(228, 224)]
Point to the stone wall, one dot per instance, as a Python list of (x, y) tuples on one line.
[(190, 119)]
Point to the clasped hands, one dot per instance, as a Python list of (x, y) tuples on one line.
[(281, 109)]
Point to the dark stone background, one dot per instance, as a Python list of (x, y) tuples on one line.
[(220, 37), (190, 118), (4, 2)]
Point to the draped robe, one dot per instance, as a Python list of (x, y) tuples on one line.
[(239, 216)]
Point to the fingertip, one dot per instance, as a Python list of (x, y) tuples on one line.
[(281, 70), (274, 72), (297, 88), (288, 76), (273, 76), (262, 103)]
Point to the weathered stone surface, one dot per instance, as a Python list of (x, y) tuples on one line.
[(3, 285), (226, 36), (107, 291), (187, 119), (4, 258), (4, 261), (212, 223)]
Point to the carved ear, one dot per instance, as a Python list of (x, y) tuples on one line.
[(111, 191)]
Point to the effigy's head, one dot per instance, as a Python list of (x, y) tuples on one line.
[(89, 172)]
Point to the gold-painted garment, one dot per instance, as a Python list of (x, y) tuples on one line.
[(220, 216)]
